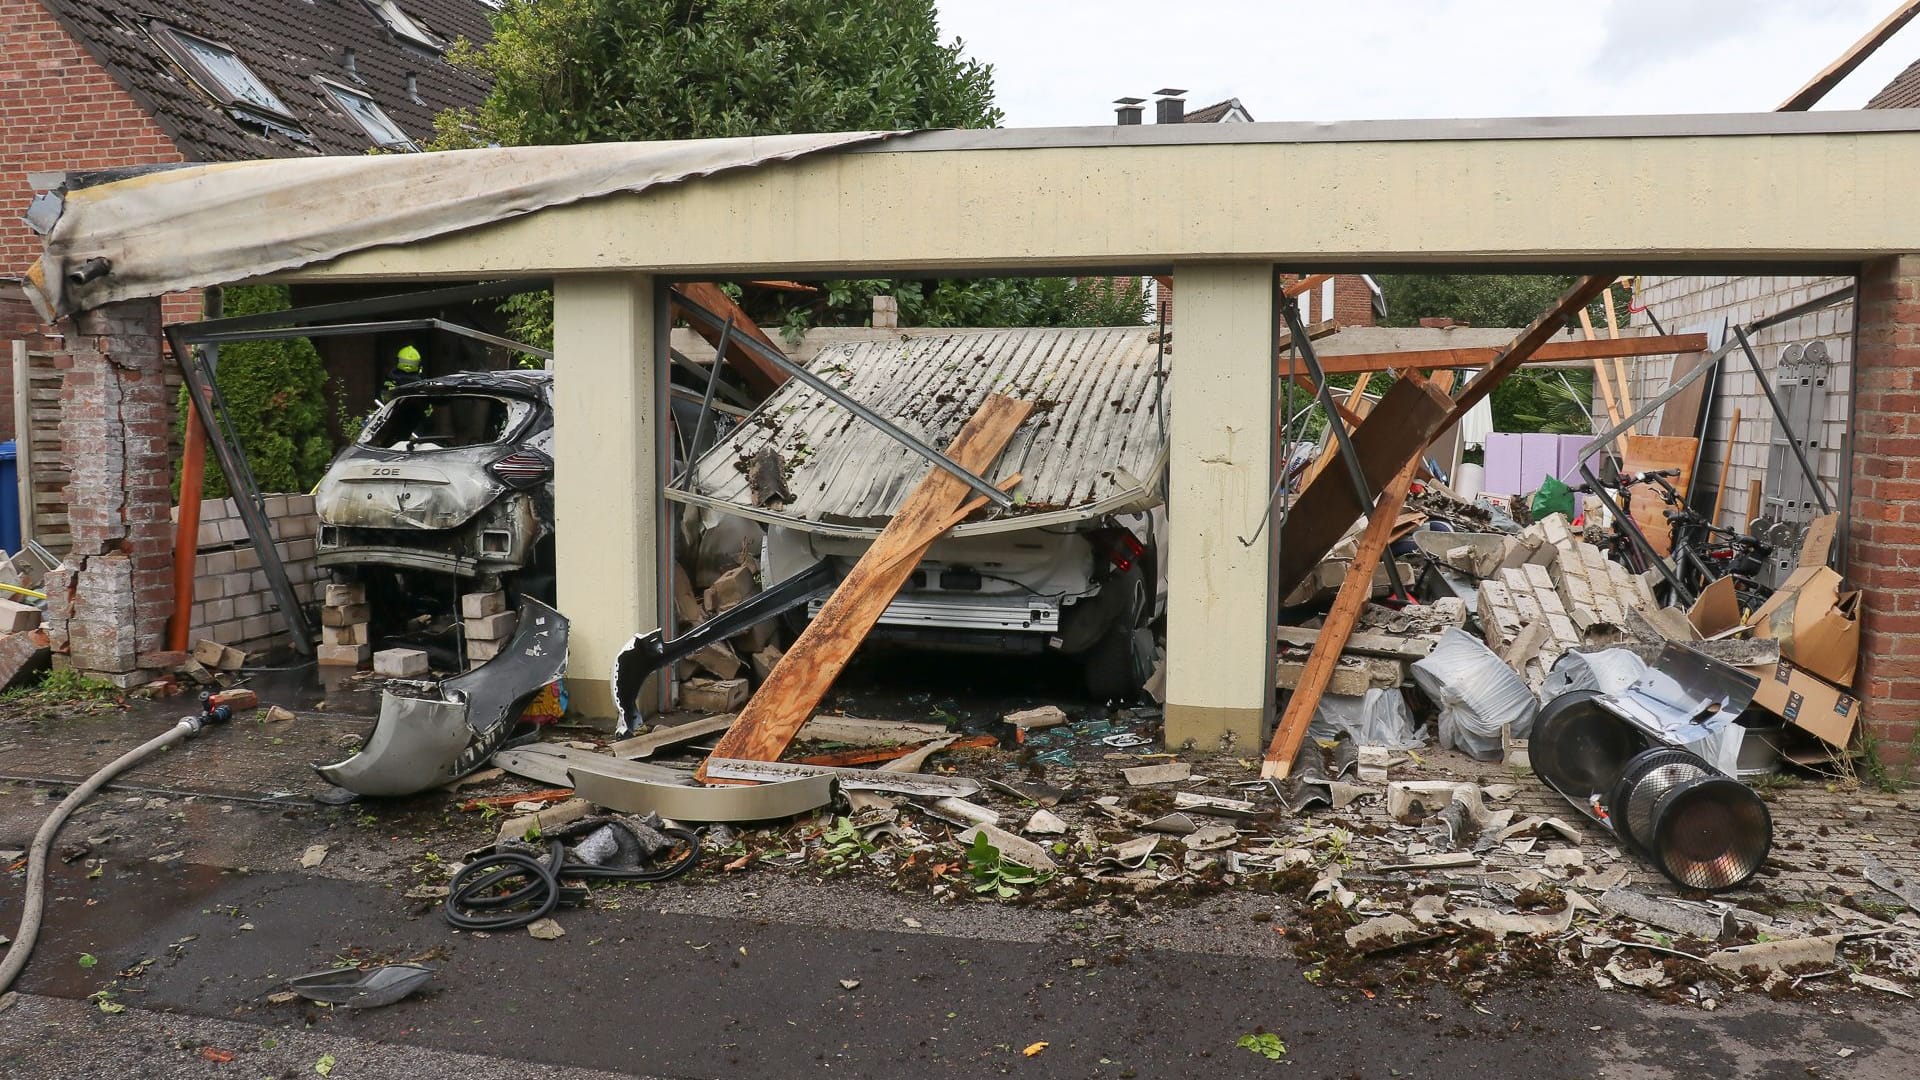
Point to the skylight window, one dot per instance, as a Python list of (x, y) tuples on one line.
[(370, 116), (403, 26), (220, 72)]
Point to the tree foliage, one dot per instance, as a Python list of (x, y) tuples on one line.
[(577, 71), (275, 396), (1529, 400)]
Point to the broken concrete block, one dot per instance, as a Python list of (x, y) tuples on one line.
[(400, 663), (231, 659), (546, 821), (208, 652), (1411, 802), (720, 660), (344, 655), (495, 627), (731, 588), (17, 617), (713, 695), (1170, 773), (1013, 849), (357, 634), (345, 616), (313, 856), (546, 930), (1779, 955), (344, 595), (278, 715), (1045, 822), (23, 654), (1381, 933), (764, 661), (479, 652), (238, 700), (1045, 716), (479, 605)]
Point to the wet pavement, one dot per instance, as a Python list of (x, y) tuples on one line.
[(737, 974)]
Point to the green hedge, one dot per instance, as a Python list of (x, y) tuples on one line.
[(275, 395)]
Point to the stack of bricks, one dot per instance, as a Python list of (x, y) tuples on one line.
[(345, 630), (232, 603), (1565, 595), (488, 623)]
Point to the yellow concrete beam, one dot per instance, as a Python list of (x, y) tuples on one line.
[(1630, 200), (605, 480), (1219, 590)]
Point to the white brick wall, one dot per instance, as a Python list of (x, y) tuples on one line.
[(1684, 303), (231, 601)]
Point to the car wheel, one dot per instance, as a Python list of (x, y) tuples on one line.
[(1118, 665)]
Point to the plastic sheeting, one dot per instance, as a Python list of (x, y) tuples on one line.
[(184, 228), (1381, 718), (1478, 695)]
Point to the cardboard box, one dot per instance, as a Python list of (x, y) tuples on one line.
[(1817, 625), (1806, 701)]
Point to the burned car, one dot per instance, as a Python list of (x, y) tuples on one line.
[(453, 476)]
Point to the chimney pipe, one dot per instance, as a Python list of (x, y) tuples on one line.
[(1171, 108), (350, 64), (1129, 112)]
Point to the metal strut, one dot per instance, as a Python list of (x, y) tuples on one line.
[(979, 484), (1302, 341), (211, 408)]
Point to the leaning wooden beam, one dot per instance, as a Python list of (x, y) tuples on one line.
[(1340, 620), (1356, 409), (1430, 359), (1347, 410), (1830, 76), (1402, 423), (760, 376), (794, 688), (1305, 284), (1331, 638)]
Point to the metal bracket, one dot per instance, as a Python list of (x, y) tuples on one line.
[(211, 409), (652, 651), (979, 484), (1303, 342)]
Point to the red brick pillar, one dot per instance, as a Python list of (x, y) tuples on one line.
[(1883, 553), (108, 605)]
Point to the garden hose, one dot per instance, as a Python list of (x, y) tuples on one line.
[(508, 888), (35, 897)]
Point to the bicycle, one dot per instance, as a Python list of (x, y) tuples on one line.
[(1702, 552)]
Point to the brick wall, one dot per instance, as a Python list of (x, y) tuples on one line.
[(107, 606), (231, 601), (59, 109), (1883, 555), (1352, 301), (1695, 304)]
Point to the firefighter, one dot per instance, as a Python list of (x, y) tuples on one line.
[(406, 370)]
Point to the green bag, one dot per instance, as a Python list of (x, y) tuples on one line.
[(1553, 497)]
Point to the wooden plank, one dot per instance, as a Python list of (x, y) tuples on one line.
[(1305, 284), (1829, 77), (1347, 411), (1354, 593), (797, 683), (1357, 407), (1726, 462), (1430, 359), (1620, 373), (1756, 503), (1651, 453), (1681, 414), (761, 377), (1402, 423), (1600, 376)]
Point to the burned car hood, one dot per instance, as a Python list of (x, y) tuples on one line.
[(378, 489)]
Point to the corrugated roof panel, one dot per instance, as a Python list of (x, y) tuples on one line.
[(1096, 432)]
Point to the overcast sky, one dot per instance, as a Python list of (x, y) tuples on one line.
[(1062, 62)]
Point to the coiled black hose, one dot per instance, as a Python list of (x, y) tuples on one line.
[(483, 896)]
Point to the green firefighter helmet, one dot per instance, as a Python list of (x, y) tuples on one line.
[(409, 360)]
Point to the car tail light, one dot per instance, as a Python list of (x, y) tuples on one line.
[(523, 468), (1121, 547)]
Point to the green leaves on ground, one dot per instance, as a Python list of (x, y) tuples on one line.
[(1264, 1043), (993, 874)]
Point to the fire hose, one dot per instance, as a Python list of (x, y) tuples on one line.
[(35, 897)]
